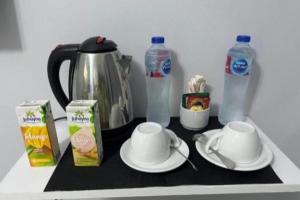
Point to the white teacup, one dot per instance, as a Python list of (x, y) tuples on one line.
[(150, 143), (238, 141)]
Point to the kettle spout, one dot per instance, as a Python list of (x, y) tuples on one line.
[(125, 63)]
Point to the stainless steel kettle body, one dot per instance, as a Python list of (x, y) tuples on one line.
[(97, 71), (104, 77)]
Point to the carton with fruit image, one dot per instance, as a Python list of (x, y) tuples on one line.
[(38, 131), (85, 132)]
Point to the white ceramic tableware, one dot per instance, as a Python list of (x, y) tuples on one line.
[(175, 159), (264, 159), (238, 141), (193, 120), (150, 144), (202, 138)]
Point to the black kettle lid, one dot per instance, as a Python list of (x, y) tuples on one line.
[(97, 45)]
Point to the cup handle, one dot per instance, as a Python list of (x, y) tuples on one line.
[(211, 140), (175, 141)]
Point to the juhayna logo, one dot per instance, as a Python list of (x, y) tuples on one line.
[(31, 118), (79, 117)]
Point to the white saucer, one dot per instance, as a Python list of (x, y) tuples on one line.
[(264, 160), (175, 160)]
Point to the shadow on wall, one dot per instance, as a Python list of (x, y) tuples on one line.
[(255, 81), (9, 32), (177, 85), (214, 106)]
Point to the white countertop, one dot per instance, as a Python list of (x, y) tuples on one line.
[(25, 182)]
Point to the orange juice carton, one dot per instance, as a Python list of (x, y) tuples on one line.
[(38, 132)]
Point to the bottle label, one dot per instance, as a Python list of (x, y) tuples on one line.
[(166, 67), (159, 69), (237, 66)]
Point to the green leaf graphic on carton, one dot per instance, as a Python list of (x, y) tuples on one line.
[(73, 129), (42, 111), (44, 114), (29, 149), (30, 114), (92, 119), (79, 113), (94, 130), (44, 119)]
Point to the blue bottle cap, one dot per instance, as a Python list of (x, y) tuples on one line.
[(158, 40), (243, 38)]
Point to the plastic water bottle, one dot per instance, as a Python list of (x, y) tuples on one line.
[(158, 68), (237, 74)]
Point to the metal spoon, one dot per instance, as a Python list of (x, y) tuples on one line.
[(175, 147), (226, 161)]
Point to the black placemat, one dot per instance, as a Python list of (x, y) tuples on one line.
[(113, 173)]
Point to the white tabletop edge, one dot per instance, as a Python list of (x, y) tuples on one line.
[(158, 191)]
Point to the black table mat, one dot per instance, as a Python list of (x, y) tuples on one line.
[(114, 174)]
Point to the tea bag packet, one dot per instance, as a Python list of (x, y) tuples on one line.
[(85, 132), (196, 101), (38, 131)]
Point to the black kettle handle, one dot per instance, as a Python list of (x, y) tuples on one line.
[(56, 58)]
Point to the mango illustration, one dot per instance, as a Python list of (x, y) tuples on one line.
[(36, 136), (38, 132)]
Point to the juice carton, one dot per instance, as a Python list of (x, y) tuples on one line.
[(38, 131), (85, 132)]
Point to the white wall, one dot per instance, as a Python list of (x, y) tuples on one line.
[(199, 33)]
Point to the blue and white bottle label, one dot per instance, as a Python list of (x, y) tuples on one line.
[(166, 67), (237, 66), (159, 68)]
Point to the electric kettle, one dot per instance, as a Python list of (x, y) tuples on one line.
[(97, 71)]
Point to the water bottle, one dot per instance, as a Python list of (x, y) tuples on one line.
[(158, 68), (237, 75)]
